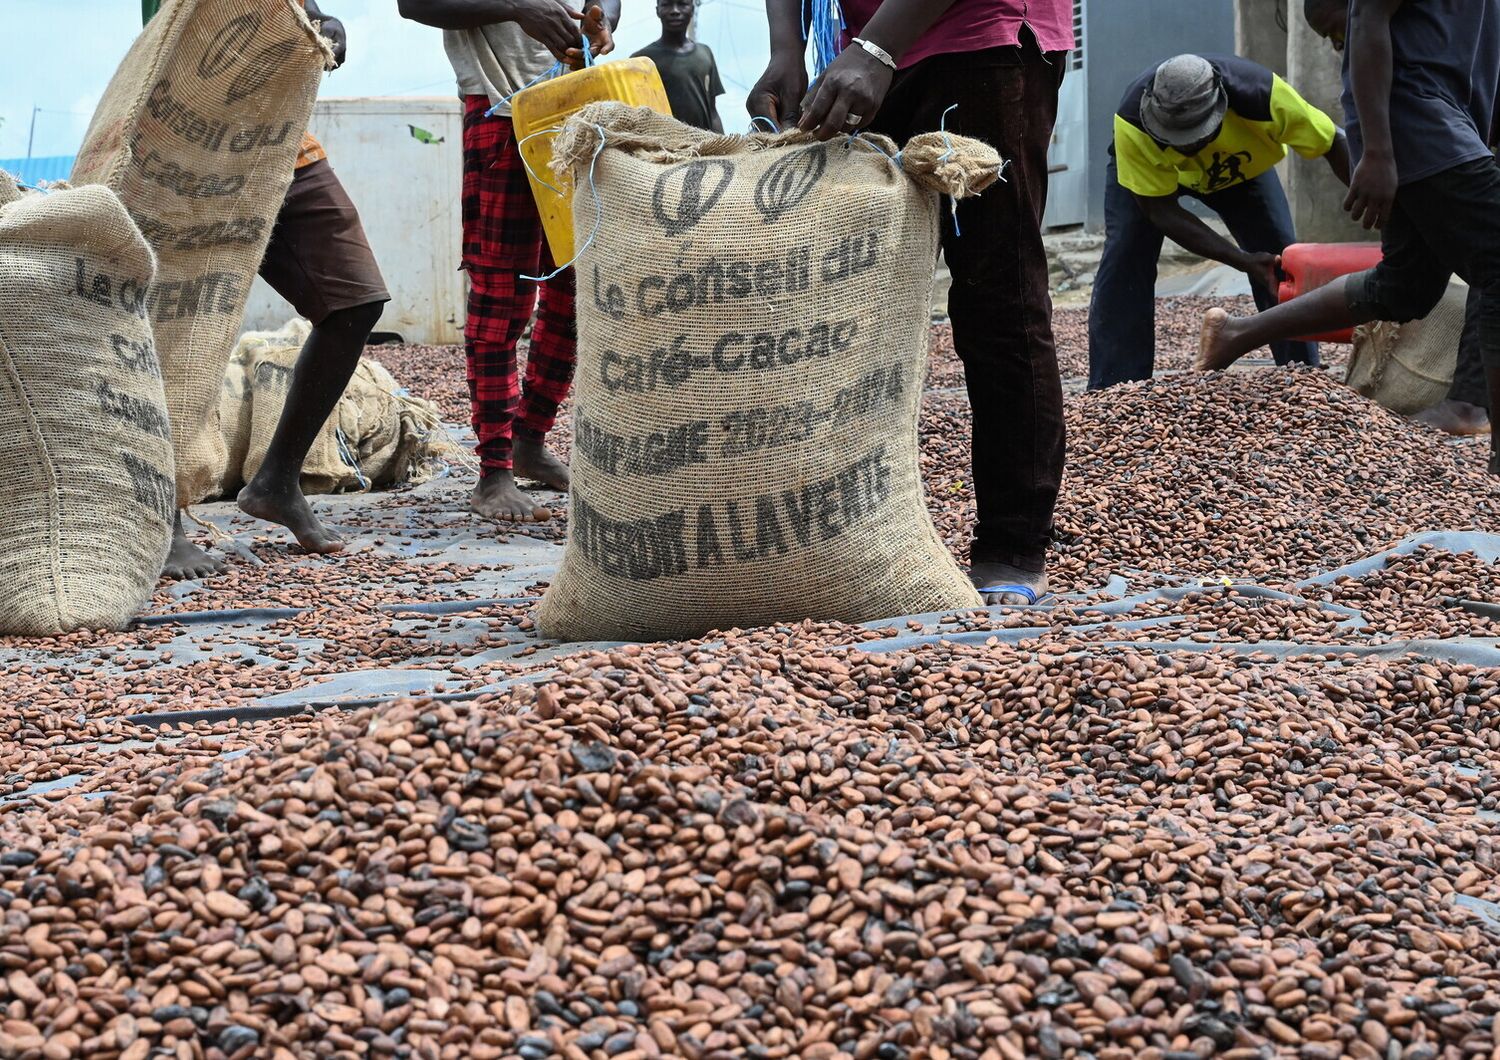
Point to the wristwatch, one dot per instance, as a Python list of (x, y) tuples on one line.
[(877, 51)]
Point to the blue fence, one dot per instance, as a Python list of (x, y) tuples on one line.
[(35, 171)]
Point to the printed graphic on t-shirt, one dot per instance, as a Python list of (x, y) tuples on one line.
[(1225, 170)]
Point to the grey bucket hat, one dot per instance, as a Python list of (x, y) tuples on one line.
[(1185, 102)]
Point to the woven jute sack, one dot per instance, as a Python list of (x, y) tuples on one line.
[(237, 397), (198, 133), (1409, 367), (355, 447), (393, 436), (377, 435), (752, 337), (87, 489)]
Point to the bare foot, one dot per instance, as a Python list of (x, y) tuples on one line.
[(1214, 353), (993, 575), (278, 504), (186, 561), (536, 463), (496, 497), (1456, 417)]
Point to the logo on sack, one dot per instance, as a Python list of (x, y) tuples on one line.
[(788, 181), (228, 46), (273, 58), (684, 194)]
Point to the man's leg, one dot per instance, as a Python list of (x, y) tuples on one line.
[(1461, 206), (1468, 372), (999, 303), (1260, 220), (549, 373), (185, 560), (1226, 339), (1122, 308), (1406, 284), (502, 243), (320, 261)]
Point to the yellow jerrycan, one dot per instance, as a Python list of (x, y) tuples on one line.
[(547, 105)]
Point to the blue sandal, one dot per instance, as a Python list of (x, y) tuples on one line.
[(1031, 595)]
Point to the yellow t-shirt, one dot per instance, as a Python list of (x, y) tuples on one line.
[(1265, 117)]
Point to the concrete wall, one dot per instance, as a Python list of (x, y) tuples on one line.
[(1316, 195), (1274, 33), (1124, 38), (407, 191), (1260, 31)]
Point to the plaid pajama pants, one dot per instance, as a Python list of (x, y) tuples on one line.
[(502, 242)]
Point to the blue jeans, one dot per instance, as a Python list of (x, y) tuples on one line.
[(1122, 313)]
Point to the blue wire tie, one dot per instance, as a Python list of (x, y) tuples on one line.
[(943, 128), (825, 20), (598, 217)]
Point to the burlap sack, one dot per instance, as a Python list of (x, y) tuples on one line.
[(1409, 367), (753, 328), (377, 436), (10, 191), (236, 396), (198, 134), (87, 487), (395, 437), (270, 379)]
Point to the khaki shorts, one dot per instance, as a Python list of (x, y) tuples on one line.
[(319, 258)]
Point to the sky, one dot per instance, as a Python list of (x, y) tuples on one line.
[(58, 55)]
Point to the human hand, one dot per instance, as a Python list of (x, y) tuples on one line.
[(847, 96), (1372, 190), (601, 40), (332, 30), (1263, 270), (552, 24), (779, 91)]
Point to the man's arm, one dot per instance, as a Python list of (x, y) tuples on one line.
[(552, 23), (781, 88), (598, 28), (457, 14), (332, 30), (1338, 157), (1190, 233), (856, 82), (1372, 188)]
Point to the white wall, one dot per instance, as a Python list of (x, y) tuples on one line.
[(1316, 195), (407, 193)]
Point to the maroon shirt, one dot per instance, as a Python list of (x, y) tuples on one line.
[(971, 25)]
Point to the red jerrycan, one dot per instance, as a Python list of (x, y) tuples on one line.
[(1309, 266)]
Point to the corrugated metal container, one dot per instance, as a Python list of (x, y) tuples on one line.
[(34, 171), (401, 159)]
